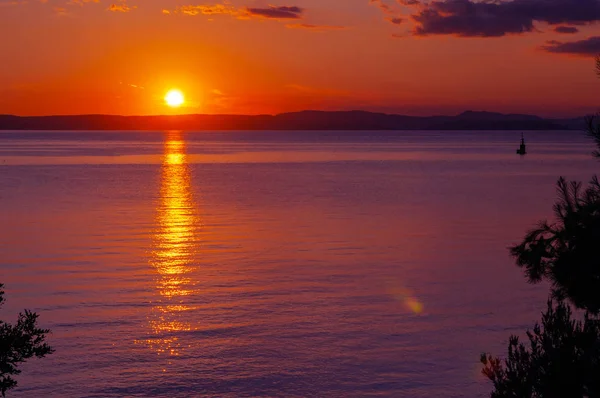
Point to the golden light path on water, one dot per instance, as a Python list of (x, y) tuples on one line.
[(173, 255), (173, 248)]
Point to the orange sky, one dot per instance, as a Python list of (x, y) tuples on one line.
[(253, 56)]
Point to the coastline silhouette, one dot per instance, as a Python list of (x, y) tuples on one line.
[(305, 120)]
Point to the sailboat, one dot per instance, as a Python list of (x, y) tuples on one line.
[(522, 149)]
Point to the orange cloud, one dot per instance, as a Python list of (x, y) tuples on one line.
[(392, 11), (120, 8), (217, 9), (387, 9), (82, 2), (270, 12)]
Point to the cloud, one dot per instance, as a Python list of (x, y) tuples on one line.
[(386, 8), (566, 29), (392, 12), (469, 18), (217, 9), (272, 12), (314, 27), (589, 47), (120, 7), (281, 12), (82, 2)]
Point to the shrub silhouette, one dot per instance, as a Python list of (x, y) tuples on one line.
[(19, 343), (561, 359)]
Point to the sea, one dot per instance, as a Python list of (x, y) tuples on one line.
[(273, 263)]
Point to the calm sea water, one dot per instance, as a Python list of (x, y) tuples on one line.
[(273, 264)]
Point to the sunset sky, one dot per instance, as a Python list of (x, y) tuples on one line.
[(260, 56)]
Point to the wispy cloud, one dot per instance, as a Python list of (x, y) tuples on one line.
[(392, 13), (82, 2), (215, 9), (122, 7), (271, 12), (589, 47), (386, 8), (312, 27), (281, 12), (278, 13)]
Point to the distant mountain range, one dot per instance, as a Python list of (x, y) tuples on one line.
[(306, 120)]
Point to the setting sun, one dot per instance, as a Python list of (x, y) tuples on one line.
[(174, 98)]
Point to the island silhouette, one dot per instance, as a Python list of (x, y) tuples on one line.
[(304, 120)]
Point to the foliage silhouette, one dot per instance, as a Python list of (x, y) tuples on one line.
[(562, 359), (18, 343), (567, 252), (593, 127)]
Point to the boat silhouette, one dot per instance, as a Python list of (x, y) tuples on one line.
[(522, 149)]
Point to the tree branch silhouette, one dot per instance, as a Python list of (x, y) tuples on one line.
[(18, 343)]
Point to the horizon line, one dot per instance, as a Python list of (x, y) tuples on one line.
[(294, 112)]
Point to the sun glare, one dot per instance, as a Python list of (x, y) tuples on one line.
[(174, 98)]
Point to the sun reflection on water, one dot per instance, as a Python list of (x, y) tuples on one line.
[(173, 249)]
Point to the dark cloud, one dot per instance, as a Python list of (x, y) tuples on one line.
[(566, 29), (589, 47), (492, 19), (282, 12), (396, 21)]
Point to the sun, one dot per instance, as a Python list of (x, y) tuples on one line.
[(174, 98)]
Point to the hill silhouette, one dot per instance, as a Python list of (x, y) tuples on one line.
[(305, 120)]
